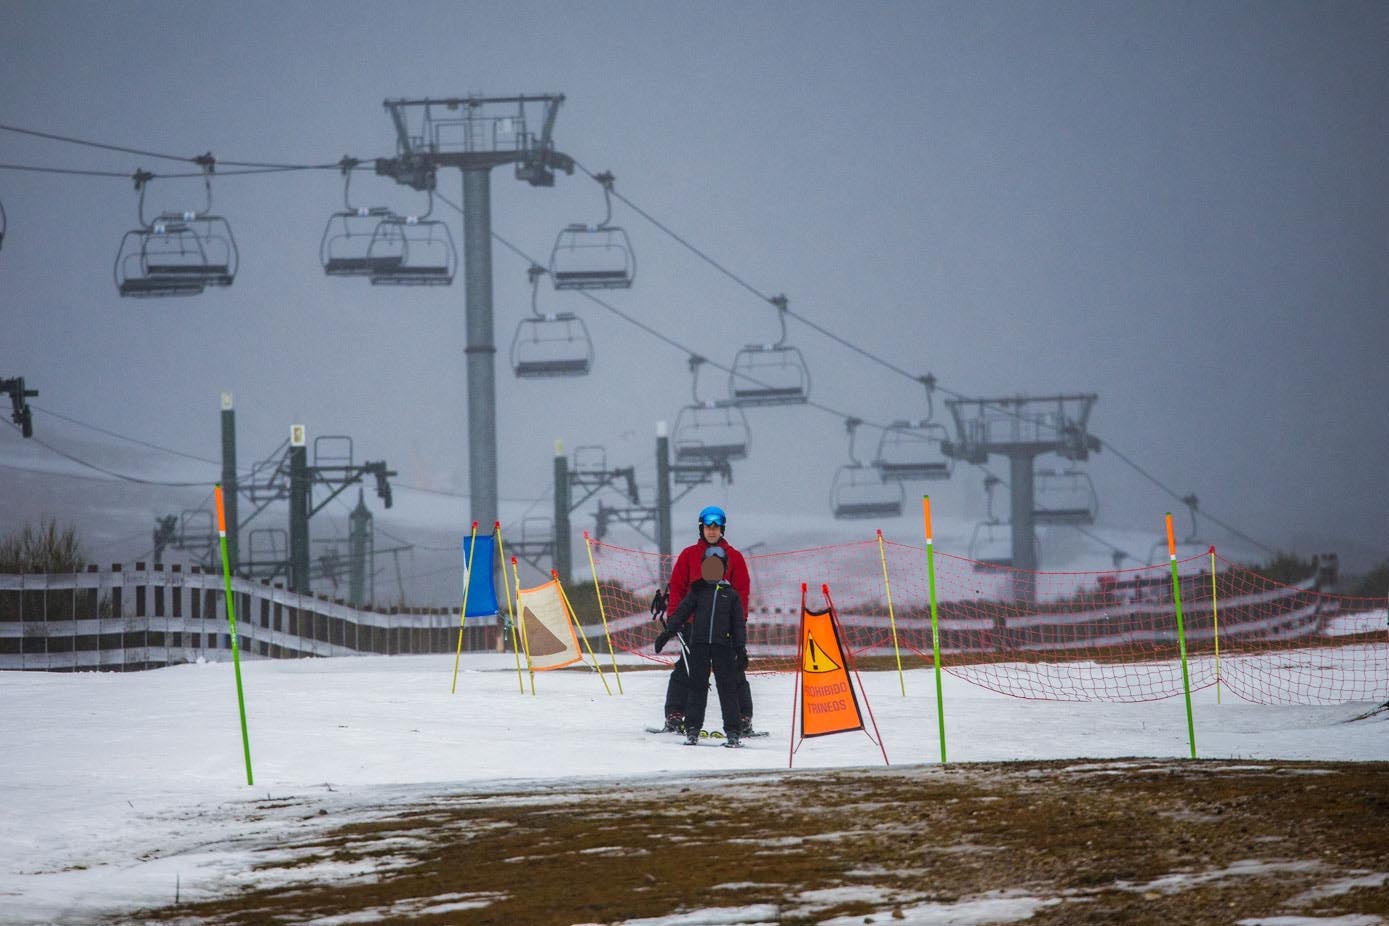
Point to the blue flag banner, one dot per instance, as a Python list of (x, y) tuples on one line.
[(482, 591)]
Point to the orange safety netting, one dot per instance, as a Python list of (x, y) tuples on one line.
[(1087, 636)]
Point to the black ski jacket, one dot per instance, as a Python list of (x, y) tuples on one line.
[(715, 613)]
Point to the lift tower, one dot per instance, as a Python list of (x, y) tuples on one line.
[(1021, 428), (476, 134)]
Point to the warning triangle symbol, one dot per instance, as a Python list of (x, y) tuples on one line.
[(816, 660), (539, 638)]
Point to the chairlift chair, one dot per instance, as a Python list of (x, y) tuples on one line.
[(219, 247), (594, 256), (549, 345), (770, 374), (166, 259), (711, 432), (412, 251), (1064, 498), (991, 545), (911, 452), (346, 246), (177, 253), (858, 492)]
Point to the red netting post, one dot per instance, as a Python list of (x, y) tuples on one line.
[(1215, 624), (796, 677), (1181, 634)]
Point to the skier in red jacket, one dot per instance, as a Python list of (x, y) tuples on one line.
[(712, 524)]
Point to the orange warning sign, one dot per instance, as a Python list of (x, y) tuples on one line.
[(828, 701)]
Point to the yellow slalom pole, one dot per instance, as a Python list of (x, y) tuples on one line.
[(463, 612), (511, 612), (1215, 621), (521, 616), (890, 616), (602, 612), (579, 631)]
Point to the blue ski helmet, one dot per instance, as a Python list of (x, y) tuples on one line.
[(713, 514)]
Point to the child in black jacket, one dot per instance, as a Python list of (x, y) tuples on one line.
[(718, 639)]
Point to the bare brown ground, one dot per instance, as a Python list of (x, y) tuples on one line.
[(1115, 841)]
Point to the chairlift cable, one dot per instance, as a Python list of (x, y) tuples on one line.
[(119, 436), (689, 352), (869, 355), (259, 167), (705, 257), (61, 170), (155, 154), (108, 472), (93, 144), (1181, 498)]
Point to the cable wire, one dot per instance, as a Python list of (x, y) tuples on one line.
[(869, 355), (123, 477), (156, 154), (65, 170), (133, 440)]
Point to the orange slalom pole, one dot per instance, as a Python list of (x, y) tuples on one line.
[(231, 625), (1181, 634), (935, 621)]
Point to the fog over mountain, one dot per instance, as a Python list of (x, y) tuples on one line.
[(1179, 209)]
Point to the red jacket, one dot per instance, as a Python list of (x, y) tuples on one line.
[(687, 570)]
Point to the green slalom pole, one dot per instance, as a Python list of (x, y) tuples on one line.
[(1181, 634), (231, 622), (935, 622)]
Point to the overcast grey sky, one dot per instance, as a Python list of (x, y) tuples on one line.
[(1180, 207)]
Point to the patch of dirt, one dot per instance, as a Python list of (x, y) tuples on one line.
[(1135, 841)]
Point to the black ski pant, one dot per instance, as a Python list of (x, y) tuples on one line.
[(678, 689), (720, 658)]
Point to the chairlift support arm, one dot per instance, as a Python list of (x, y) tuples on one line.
[(20, 413), (340, 477)]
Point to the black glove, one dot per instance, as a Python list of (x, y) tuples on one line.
[(663, 638), (740, 658)]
